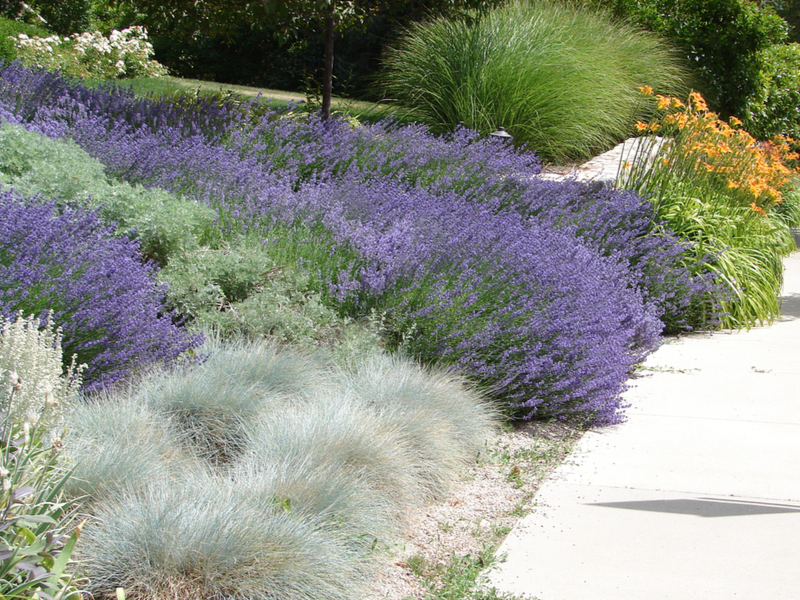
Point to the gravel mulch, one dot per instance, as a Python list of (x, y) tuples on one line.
[(490, 497)]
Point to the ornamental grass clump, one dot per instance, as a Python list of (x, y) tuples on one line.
[(213, 404), (117, 443), (331, 431), (717, 187), (560, 78), (440, 416), (203, 537), (65, 261), (330, 463)]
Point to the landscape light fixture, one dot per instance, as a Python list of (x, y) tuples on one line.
[(501, 133)]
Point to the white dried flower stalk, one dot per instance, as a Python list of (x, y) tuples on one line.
[(31, 363)]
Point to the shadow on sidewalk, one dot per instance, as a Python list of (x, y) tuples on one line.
[(705, 507), (790, 307)]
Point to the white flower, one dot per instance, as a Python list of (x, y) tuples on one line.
[(56, 441), (50, 399), (14, 380)]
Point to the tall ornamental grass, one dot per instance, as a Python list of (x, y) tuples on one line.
[(714, 185), (560, 78)]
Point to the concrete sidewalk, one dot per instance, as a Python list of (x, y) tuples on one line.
[(696, 496)]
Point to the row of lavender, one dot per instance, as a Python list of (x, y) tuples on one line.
[(547, 293)]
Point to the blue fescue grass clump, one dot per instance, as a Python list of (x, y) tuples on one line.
[(330, 460), (440, 418), (213, 403), (202, 537), (117, 443), (546, 294), (64, 260)]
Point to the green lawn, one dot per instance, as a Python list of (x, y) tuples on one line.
[(164, 86)]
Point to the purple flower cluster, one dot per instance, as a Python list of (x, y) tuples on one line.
[(103, 298), (547, 292)]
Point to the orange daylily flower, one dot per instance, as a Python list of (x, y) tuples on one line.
[(698, 102)]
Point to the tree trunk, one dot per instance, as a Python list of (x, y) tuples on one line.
[(327, 83)]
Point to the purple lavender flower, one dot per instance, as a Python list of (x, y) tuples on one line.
[(110, 311), (546, 292)]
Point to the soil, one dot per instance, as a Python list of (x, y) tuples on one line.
[(490, 497)]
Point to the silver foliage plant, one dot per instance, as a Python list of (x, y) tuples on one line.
[(291, 471)]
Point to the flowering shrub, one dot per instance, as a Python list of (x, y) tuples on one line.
[(100, 294), (717, 187), (122, 54)]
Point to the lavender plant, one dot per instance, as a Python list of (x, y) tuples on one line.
[(545, 293), (99, 293)]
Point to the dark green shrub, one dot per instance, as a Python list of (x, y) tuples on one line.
[(790, 11), (774, 109), (723, 39), (65, 17)]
